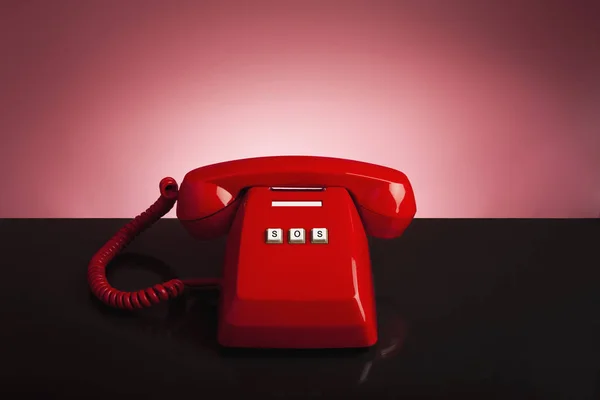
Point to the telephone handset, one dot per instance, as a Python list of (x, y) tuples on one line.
[(297, 271)]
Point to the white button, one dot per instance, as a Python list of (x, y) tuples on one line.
[(297, 235), (319, 235), (274, 235)]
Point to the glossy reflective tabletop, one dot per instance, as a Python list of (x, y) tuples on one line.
[(481, 309)]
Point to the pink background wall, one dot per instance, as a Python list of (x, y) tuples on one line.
[(491, 108)]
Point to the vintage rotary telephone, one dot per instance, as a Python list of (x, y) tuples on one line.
[(297, 271)]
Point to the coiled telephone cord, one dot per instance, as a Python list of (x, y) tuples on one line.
[(148, 297)]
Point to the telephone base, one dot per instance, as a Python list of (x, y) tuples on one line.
[(297, 295)]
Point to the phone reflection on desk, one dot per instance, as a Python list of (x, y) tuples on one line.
[(312, 373)]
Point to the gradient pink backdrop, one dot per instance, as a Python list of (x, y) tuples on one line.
[(491, 108)]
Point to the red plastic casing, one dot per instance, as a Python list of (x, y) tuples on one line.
[(296, 295)]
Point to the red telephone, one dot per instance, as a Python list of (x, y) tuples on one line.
[(297, 271)]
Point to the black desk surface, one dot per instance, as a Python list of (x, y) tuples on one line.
[(480, 309)]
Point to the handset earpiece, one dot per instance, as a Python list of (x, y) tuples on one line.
[(388, 210), (201, 199), (205, 209)]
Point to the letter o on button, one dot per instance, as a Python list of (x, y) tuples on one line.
[(296, 235)]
